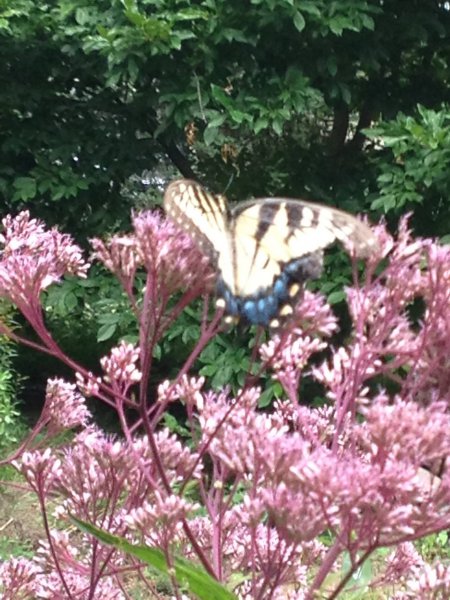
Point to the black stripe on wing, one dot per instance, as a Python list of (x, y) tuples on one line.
[(267, 213), (200, 214), (322, 224)]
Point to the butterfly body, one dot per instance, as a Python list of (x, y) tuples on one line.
[(264, 250)]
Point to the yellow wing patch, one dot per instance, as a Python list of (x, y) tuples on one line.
[(200, 214)]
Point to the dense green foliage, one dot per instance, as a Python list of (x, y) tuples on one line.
[(12, 426), (344, 101), (416, 175), (269, 96)]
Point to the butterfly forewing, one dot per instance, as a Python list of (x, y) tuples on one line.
[(202, 215), (294, 227)]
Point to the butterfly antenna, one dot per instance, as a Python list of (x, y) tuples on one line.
[(199, 97), (230, 181)]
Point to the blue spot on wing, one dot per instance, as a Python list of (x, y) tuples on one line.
[(258, 309), (260, 306), (280, 287)]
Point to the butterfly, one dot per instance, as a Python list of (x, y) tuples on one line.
[(265, 249)]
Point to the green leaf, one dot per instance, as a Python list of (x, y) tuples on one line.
[(261, 123), (385, 177), (210, 134), (190, 333), (135, 18), (109, 318), (336, 297), (70, 302), (368, 22), (360, 580), (387, 202), (171, 423), (299, 21), (106, 332), (103, 32), (232, 35), (338, 24), (133, 70), (332, 65), (83, 16), (187, 573), (221, 96), (346, 94), (217, 120), (265, 398), (189, 14), (277, 126), (221, 377), (238, 116), (25, 188)]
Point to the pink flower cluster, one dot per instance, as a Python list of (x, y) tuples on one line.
[(252, 495), (65, 407), (25, 579), (168, 257), (289, 354), (33, 258), (120, 367)]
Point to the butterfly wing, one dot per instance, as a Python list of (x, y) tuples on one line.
[(290, 228), (202, 215), (263, 249), (278, 245)]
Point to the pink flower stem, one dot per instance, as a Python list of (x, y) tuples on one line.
[(41, 498), (205, 337), (26, 442), (326, 566), (51, 348), (191, 537)]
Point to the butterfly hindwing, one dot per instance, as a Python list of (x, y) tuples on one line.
[(264, 249)]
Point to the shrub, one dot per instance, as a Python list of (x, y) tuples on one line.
[(12, 427)]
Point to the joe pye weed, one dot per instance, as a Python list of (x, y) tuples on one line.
[(273, 504)]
